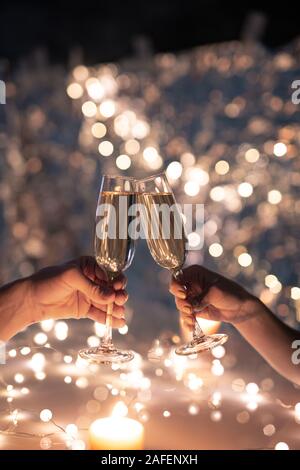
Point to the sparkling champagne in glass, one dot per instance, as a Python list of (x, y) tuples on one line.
[(114, 251), (165, 234)]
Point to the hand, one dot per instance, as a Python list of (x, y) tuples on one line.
[(77, 289), (208, 294)]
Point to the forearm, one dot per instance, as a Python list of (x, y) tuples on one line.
[(16, 308), (273, 340)]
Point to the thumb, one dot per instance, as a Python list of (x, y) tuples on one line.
[(199, 303), (98, 293)]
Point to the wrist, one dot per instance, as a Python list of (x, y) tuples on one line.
[(252, 310), (32, 312), (16, 308)]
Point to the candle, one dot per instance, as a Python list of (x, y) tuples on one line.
[(116, 433)]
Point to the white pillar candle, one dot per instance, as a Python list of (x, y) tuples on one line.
[(116, 433)]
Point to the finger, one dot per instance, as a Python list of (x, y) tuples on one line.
[(121, 297), (100, 273), (91, 269), (120, 282), (118, 322), (177, 289), (102, 294), (100, 317), (186, 316), (199, 302), (190, 318), (86, 265), (118, 310), (183, 306), (188, 324), (95, 314)]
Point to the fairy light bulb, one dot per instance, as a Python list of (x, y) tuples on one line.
[(123, 162), (95, 89), (89, 109), (245, 260), (245, 189), (61, 330), (107, 108), (174, 170), (280, 149), (75, 91), (46, 415), (105, 148), (215, 250), (222, 167), (252, 155), (98, 130), (191, 188)]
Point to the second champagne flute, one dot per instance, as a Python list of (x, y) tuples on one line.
[(114, 251), (166, 239)]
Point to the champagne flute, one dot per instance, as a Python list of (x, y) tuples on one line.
[(114, 251), (164, 228)]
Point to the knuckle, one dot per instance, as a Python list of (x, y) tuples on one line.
[(98, 292)]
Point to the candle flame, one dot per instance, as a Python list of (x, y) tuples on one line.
[(120, 409)]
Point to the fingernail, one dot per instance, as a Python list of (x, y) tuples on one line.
[(181, 294), (117, 285)]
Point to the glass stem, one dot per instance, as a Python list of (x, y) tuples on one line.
[(107, 338), (198, 333)]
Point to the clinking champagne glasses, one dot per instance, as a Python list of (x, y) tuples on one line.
[(164, 228), (114, 251)]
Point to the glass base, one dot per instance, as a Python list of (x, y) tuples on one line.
[(205, 343), (105, 355)]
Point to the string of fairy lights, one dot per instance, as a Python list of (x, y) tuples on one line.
[(129, 390), (220, 121)]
